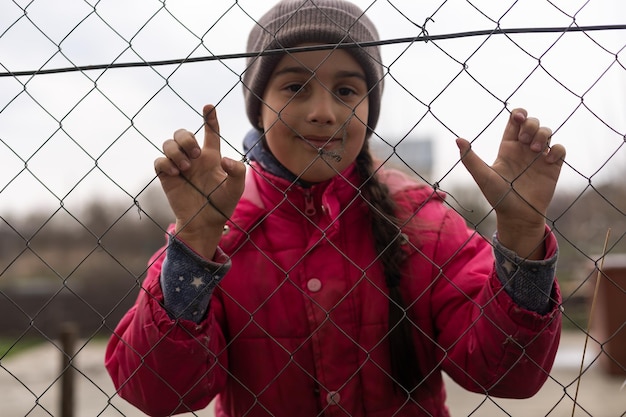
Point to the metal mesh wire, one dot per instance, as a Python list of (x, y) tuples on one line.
[(89, 90)]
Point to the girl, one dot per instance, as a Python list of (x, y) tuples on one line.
[(319, 283)]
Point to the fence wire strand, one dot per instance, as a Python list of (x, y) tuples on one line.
[(89, 90), (225, 57)]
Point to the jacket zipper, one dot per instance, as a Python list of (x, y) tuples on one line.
[(309, 203)]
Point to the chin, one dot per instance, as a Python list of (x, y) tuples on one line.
[(319, 174)]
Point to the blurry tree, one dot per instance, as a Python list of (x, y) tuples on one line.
[(100, 255)]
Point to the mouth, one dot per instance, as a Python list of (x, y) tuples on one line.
[(321, 142)]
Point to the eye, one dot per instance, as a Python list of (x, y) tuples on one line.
[(294, 88), (346, 92)]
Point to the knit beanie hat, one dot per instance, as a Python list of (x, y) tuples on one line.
[(291, 23)]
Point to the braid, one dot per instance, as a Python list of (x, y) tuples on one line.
[(387, 241)]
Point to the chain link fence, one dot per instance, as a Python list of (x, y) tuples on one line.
[(90, 89)]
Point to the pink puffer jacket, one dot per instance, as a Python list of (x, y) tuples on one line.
[(298, 326)]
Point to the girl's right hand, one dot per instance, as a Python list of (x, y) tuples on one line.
[(201, 186)]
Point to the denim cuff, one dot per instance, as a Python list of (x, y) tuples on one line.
[(188, 280), (528, 282)]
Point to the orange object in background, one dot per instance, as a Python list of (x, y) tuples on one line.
[(610, 317)]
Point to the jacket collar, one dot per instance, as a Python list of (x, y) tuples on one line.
[(263, 188), (266, 193)]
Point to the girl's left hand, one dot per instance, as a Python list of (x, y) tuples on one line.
[(521, 182)]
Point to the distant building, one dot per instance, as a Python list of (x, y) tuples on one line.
[(412, 155)]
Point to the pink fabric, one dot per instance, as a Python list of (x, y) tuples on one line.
[(277, 343)]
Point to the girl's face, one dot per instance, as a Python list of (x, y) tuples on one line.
[(315, 113)]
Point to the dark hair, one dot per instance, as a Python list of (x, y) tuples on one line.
[(388, 240)]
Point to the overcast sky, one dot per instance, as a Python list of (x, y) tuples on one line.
[(78, 135)]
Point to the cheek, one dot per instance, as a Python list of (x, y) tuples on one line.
[(357, 129), (357, 126), (353, 149), (271, 120), (266, 117), (279, 139)]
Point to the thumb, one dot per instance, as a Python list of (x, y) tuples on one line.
[(236, 171), (474, 165)]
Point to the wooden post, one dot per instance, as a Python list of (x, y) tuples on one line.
[(69, 335)]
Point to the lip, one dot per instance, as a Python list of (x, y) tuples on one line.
[(320, 141)]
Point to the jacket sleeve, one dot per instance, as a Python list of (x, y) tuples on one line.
[(161, 365), (487, 342)]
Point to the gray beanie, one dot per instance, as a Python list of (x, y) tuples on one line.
[(293, 22)]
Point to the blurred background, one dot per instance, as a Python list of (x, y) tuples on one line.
[(90, 89)]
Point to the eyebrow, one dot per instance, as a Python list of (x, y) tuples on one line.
[(297, 69)]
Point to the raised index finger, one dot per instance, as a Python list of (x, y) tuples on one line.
[(211, 128)]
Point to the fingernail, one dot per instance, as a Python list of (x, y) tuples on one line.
[(195, 152), (519, 116), (524, 138), (184, 165)]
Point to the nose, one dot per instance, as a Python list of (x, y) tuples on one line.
[(323, 107)]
